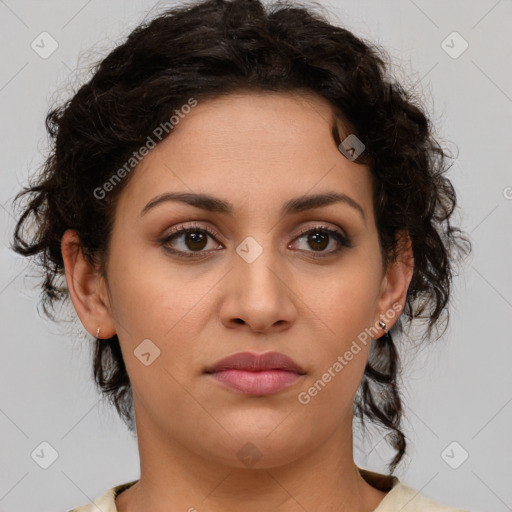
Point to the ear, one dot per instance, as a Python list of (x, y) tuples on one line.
[(86, 287), (396, 280)]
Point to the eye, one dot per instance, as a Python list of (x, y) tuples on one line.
[(194, 239), (191, 241), (320, 237)]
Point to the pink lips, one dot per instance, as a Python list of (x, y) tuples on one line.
[(256, 374)]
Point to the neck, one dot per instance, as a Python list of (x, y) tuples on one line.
[(172, 478)]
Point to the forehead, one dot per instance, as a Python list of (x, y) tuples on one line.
[(258, 147), (275, 119)]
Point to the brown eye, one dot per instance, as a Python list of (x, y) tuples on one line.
[(188, 241), (318, 239), (195, 240)]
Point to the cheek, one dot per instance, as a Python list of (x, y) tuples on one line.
[(341, 357), (347, 311), (348, 302), (166, 305), (150, 294)]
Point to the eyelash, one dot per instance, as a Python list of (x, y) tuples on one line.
[(338, 236)]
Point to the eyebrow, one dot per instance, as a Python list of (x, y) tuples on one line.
[(217, 205)]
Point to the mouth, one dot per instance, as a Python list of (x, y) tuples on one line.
[(256, 374)]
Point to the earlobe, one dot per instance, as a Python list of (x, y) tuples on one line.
[(397, 279), (86, 287)]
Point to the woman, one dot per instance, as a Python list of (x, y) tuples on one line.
[(246, 209)]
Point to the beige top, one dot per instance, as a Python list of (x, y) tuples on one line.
[(399, 497)]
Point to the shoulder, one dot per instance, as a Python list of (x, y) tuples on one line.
[(106, 502), (404, 498), (400, 497)]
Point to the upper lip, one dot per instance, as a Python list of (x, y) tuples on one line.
[(251, 361)]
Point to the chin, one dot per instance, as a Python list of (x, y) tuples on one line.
[(260, 449)]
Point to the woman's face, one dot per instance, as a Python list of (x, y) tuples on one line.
[(247, 280)]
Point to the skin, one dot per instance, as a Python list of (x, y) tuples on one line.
[(256, 151)]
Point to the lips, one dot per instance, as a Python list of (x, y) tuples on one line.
[(256, 374), (252, 362)]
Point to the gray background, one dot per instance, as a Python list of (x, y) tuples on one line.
[(460, 390)]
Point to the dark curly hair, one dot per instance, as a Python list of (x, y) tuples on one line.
[(213, 48)]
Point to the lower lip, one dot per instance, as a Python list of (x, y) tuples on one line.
[(264, 382)]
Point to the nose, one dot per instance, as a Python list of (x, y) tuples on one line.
[(259, 296)]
